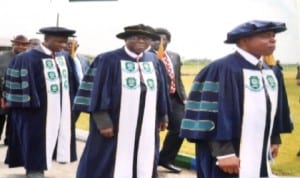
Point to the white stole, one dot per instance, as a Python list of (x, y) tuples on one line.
[(58, 119), (254, 120), (130, 101)]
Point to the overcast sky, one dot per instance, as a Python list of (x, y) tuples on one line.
[(198, 27)]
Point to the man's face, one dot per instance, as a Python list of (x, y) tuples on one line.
[(70, 44), (34, 43), (261, 44), (56, 43), (138, 43), (19, 47), (155, 44)]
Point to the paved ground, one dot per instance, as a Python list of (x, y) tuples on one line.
[(69, 170)]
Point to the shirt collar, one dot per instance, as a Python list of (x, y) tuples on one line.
[(132, 54), (249, 57), (46, 50)]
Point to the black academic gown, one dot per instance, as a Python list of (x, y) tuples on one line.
[(214, 112), (100, 91), (27, 98)]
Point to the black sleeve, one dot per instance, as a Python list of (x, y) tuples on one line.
[(164, 118), (102, 120), (275, 139), (221, 148)]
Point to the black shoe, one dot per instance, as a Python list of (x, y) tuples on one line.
[(171, 167)]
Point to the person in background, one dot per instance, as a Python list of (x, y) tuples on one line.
[(81, 62), (40, 87), (125, 93), (172, 64), (34, 42), (232, 111), (19, 44)]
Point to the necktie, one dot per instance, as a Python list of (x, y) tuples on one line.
[(260, 65), (53, 55), (170, 72), (139, 68)]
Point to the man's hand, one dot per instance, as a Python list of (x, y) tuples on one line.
[(274, 150), (163, 126), (3, 104), (229, 165), (107, 132)]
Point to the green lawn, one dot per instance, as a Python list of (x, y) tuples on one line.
[(286, 163)]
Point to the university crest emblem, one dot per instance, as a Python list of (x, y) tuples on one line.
[(271, 81), (49, 64), (146, 67), (150, 84), (61, 62), (54, 88), (254, 82), (130, 67), (131, 83), (64, 73), (51, 75), (66, 84)]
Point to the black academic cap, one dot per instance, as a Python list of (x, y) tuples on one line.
[(57, 31), (139, 29), (253, 27), (163, 31)]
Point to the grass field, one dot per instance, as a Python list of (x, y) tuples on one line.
[(287, 163)]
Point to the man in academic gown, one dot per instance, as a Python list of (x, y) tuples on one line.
[(40, 87), (124, 91), (231, 112), (19, 44)]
